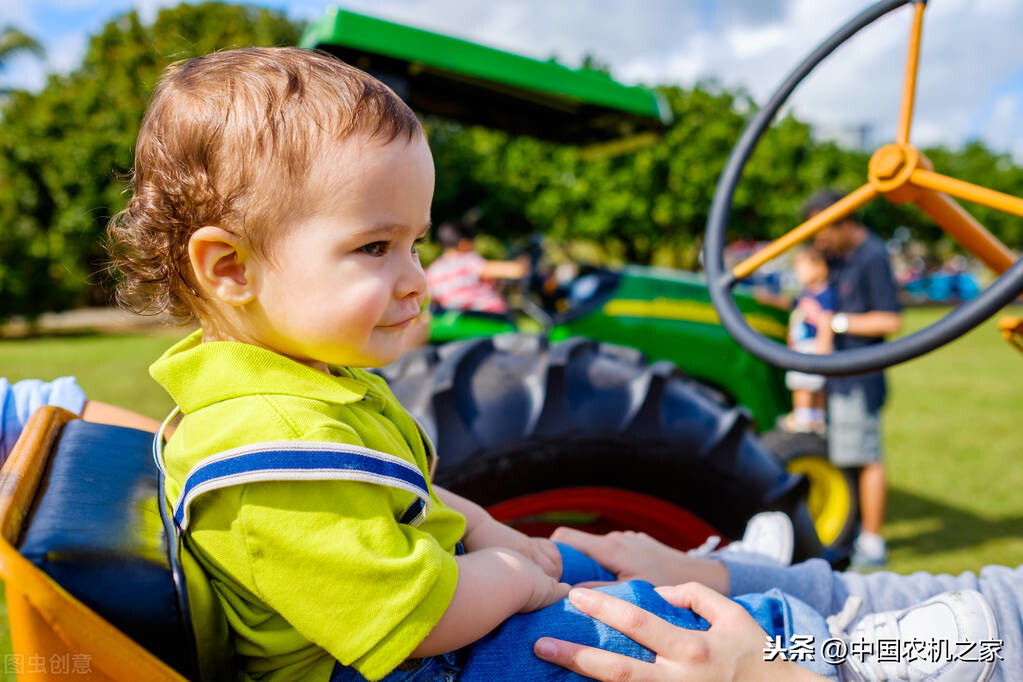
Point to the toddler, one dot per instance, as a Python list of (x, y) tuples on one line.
[(808, 395)]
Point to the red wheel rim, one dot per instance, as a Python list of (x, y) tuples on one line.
[(600, 510)]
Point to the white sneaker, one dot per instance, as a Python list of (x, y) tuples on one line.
[(869, 551), (768, 539), (928, 641)]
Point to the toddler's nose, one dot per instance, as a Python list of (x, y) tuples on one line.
[(412, 281)]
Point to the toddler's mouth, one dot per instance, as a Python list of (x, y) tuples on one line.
[(399, 325)]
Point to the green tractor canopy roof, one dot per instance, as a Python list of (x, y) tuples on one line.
[(445, 76)]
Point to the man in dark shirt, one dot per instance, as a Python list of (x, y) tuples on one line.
[(866, 311)]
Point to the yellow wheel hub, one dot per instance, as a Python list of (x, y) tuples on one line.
[(829, 501)]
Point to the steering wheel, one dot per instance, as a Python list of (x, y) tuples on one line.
[(897, 171)]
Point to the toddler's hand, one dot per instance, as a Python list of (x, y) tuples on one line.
[(814, 312), (540, 589), (545, 554), (546, 590), (540, 551)]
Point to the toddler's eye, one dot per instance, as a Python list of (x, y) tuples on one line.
[(374, 249), (417, 243)]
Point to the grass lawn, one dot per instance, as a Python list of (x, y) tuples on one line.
[(952, 435), (953, 445)]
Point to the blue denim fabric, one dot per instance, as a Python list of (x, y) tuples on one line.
[(444, 668), (507, 652), (577, 568), (509, 648)]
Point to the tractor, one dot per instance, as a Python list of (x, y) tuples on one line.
[(541, 428), (536, 426)]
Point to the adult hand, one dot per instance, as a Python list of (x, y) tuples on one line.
[(732, 649), (637, 556)]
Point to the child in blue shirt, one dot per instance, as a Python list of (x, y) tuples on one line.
[(808, 395)]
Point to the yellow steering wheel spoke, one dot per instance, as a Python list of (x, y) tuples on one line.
[(838, 210), (909, 84), (930, 195)]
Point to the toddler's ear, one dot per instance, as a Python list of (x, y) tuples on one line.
[(219, 260)]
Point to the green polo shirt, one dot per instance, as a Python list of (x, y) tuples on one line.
[(307, 571)]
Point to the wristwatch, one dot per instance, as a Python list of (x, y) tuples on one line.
[(840, 323)]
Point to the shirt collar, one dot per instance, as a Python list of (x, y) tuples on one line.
[(198, 374)]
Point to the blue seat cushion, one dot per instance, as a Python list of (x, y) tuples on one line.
[(95, 528)]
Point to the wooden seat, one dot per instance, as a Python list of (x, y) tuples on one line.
[(92, 568)]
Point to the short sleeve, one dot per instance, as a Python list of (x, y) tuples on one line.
[(827, 299), (331, 559), (881, 285), (19, 401)]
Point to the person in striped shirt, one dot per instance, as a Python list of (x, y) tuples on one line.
[(462, 279)]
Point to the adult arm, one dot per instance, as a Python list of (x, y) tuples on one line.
[(826, 590), (505, 269), (635, 555), (873, 323), (732, 649)]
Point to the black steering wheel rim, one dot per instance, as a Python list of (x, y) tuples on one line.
[(720, 281)]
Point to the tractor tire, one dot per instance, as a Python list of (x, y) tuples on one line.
[(588, 434), (833, 499)]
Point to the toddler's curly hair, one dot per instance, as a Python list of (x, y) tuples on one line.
[(227, 140)]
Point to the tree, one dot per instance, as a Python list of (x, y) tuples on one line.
[(13, 41), (66, 151)]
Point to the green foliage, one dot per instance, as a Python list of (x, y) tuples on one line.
[(66, 151), (13, 41), (651, 206)]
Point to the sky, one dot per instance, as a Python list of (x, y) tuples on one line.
[(970, 82)]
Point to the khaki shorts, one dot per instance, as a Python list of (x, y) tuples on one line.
[(854, 433)]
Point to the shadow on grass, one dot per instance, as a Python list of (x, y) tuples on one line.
[(949, 528)]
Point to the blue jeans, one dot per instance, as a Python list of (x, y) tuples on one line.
[(507, 652)]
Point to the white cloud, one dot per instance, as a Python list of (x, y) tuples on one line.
[(66, 55), (747, 42), (23, 72), (13, 12), (148, 9), (1004, 120)]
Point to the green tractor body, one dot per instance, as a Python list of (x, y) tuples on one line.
[(664, 313)]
